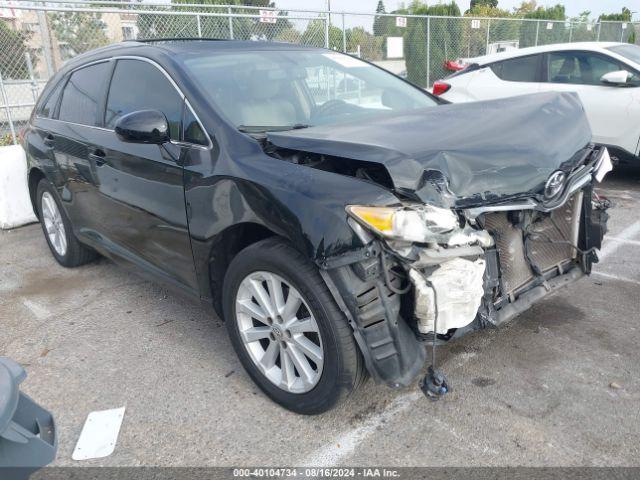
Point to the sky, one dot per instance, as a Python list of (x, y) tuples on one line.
[(573, 7)]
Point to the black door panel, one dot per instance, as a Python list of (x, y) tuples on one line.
[(141, 193)]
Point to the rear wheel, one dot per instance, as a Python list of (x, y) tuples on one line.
[(287, 330), (58, 231)]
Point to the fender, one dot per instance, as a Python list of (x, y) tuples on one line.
[(304, 205)]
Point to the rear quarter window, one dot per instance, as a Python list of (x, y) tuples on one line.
[(521, 69), (47, 106)]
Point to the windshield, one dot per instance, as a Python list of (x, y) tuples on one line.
[(630, 52), (278, 90)]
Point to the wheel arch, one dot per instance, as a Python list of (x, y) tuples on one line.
[(33, 179), (225, 246)]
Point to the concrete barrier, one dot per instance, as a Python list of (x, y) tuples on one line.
[(15, 204)]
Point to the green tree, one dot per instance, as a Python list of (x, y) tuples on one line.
[(182, 26), (243, 28), (582, 29), (444, 41), (624, 16), (12, 55), (381, 23), (524, 8), (488, 3), (253, 28), (529, 31), (501, 28), (314, 34), (78, 32), (370, 46), (290, 35)]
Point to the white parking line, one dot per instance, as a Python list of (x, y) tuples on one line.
[(616, 277), (627, 234), (624, 240), (346, 443), (38, 310)]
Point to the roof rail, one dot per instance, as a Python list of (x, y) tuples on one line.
[(175, 39)]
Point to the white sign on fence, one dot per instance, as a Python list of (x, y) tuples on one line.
[(475, 24), (549, 26), (268, 16), (395, 47), (624, 26), (589, 27), (401, 22)]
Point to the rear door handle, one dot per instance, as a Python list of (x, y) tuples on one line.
[(98, 156), (48, 140)]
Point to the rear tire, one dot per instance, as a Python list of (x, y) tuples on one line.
[(58, 231), (339, 369)]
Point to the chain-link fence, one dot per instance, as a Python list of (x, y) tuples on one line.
[(37, 37)]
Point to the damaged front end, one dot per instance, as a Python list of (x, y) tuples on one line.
[(433, 274)]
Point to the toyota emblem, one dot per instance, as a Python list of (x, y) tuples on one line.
[(555, 184)]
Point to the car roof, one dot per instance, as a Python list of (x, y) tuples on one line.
[(175, 46), (178, 45), (494, 57)]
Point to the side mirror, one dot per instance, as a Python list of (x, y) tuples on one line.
[(619, 77), (143, 126)]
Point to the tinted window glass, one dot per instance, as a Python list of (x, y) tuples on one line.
[(46, 110), (524, 69), (583, 68), (192, 131), (138, 85), (82, 95)]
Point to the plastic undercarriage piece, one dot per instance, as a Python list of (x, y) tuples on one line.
[(27, 431)]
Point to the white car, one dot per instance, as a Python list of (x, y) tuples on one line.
[(606, 77)]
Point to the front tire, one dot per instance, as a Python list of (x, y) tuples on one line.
[(58, 231), (287, 330)]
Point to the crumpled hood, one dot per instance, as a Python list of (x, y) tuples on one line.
[(461, 155)]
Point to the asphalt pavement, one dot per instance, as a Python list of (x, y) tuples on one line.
[(559, 386)]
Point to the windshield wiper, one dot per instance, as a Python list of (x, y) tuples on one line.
[(271, 128)]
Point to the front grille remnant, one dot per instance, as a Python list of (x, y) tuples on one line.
[(550, 239), (510, 245), (559, 227)]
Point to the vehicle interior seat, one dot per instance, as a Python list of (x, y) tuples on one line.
[(264, 104), (566, 72), (586, 71)]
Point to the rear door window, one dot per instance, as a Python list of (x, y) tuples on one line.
[(521, 69), (139, 85), (82, 95)]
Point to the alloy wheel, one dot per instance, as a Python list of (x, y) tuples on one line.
[(279, 332), (54, 225)]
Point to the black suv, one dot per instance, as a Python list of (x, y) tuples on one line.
[(336, 216)]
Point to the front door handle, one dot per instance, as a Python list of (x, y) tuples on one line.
[(48, 140), (98, 156)]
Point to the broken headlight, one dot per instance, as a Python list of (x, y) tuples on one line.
[(420, 223)]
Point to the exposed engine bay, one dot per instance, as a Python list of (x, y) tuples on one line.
[(481, 267)]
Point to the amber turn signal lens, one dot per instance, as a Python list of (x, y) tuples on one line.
[(377, 218)]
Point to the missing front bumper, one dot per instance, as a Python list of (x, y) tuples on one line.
[(534, 255), (528, 298)]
